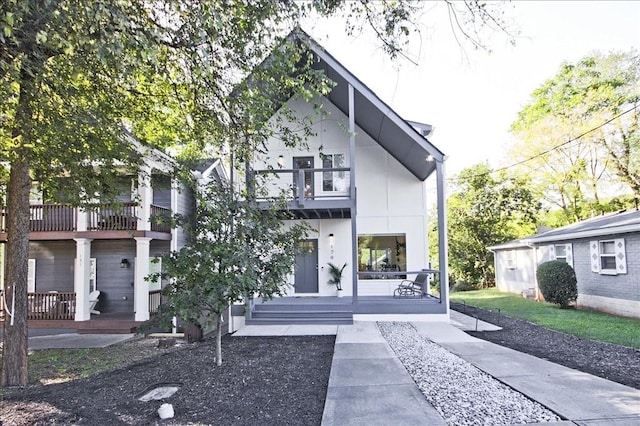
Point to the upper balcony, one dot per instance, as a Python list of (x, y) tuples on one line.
[(59, 221), (308, 193)]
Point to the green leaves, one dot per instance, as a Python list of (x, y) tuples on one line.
[(237, 250), (482, 211), (581, 131)]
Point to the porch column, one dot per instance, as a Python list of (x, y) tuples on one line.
[(145, 197), (81, 276), (140, 286), (352, 195), (443, 255), (175, 188)]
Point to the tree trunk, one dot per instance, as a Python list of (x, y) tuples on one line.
[(15, 344), (219, 341), (14, 359)]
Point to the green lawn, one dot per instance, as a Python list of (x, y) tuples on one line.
[(590, 324)]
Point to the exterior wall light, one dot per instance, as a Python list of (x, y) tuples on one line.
[(331, 242), (124, 263), (280, 161)]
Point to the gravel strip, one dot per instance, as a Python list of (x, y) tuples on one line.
[(462, 394)]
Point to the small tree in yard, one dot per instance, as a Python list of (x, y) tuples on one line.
[(558, 283), (236, 250)]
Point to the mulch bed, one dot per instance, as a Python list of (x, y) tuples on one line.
[(613, 362), (268, 380), (263, 381)]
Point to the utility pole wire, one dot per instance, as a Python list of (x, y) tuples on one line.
[(562, 144)]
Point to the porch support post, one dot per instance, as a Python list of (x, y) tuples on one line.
[(140, 286), (145, 196), (352, 179), (81, 276), (175, 188), (443, 255)]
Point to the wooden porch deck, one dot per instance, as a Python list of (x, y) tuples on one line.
[(115, 323)]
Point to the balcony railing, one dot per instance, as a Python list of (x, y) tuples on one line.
[(103, 217), (113, 217), (51, 306), (160, 219), (304, 184), (155, 300)]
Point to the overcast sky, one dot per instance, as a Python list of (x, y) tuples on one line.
[(472, 97)]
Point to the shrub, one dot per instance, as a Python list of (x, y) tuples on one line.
[(557, 282), (462, 285)]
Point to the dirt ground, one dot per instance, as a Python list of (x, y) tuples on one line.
[(263, 380)]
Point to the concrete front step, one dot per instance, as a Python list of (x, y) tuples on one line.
[(280, 307), (298, 320), (301, 314), (305, 312)]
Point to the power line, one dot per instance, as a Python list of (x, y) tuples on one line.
[(560, 145)]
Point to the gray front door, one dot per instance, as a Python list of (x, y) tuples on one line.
[(307, 267)]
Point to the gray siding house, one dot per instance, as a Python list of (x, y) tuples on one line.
[(109, 247), (604, 252)]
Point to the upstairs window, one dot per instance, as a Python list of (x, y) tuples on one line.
[(334, 181)]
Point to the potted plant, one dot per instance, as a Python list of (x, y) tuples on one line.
[(336, 276)]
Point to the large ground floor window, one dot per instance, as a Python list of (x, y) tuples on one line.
[(382, 253)]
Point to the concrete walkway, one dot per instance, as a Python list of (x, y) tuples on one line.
[(76, 341), (579, 397), (369, 386)]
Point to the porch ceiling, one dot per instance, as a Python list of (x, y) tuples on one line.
[(377, 119)]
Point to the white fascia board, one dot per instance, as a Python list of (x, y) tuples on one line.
[(586, 234), (508, 246), (384, 108)]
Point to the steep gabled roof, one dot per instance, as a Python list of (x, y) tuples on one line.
[(397, 136)]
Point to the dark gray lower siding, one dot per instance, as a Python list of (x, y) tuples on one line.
[(55, 269), (54, 265), (115, 283)]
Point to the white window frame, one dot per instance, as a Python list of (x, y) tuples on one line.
[(568, 253), (619, 256), (335, 176), (93, 284), (31, 276), (155, 267), (511, 259)]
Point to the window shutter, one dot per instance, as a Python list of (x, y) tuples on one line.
[(594, 254), (568, 250), (155, 268), (31, 277), (552, 252), (92, 274), (621, 257)]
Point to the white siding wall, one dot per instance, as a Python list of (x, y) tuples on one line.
[(390, 199)]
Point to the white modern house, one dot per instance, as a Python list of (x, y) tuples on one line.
[(359, 182)]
